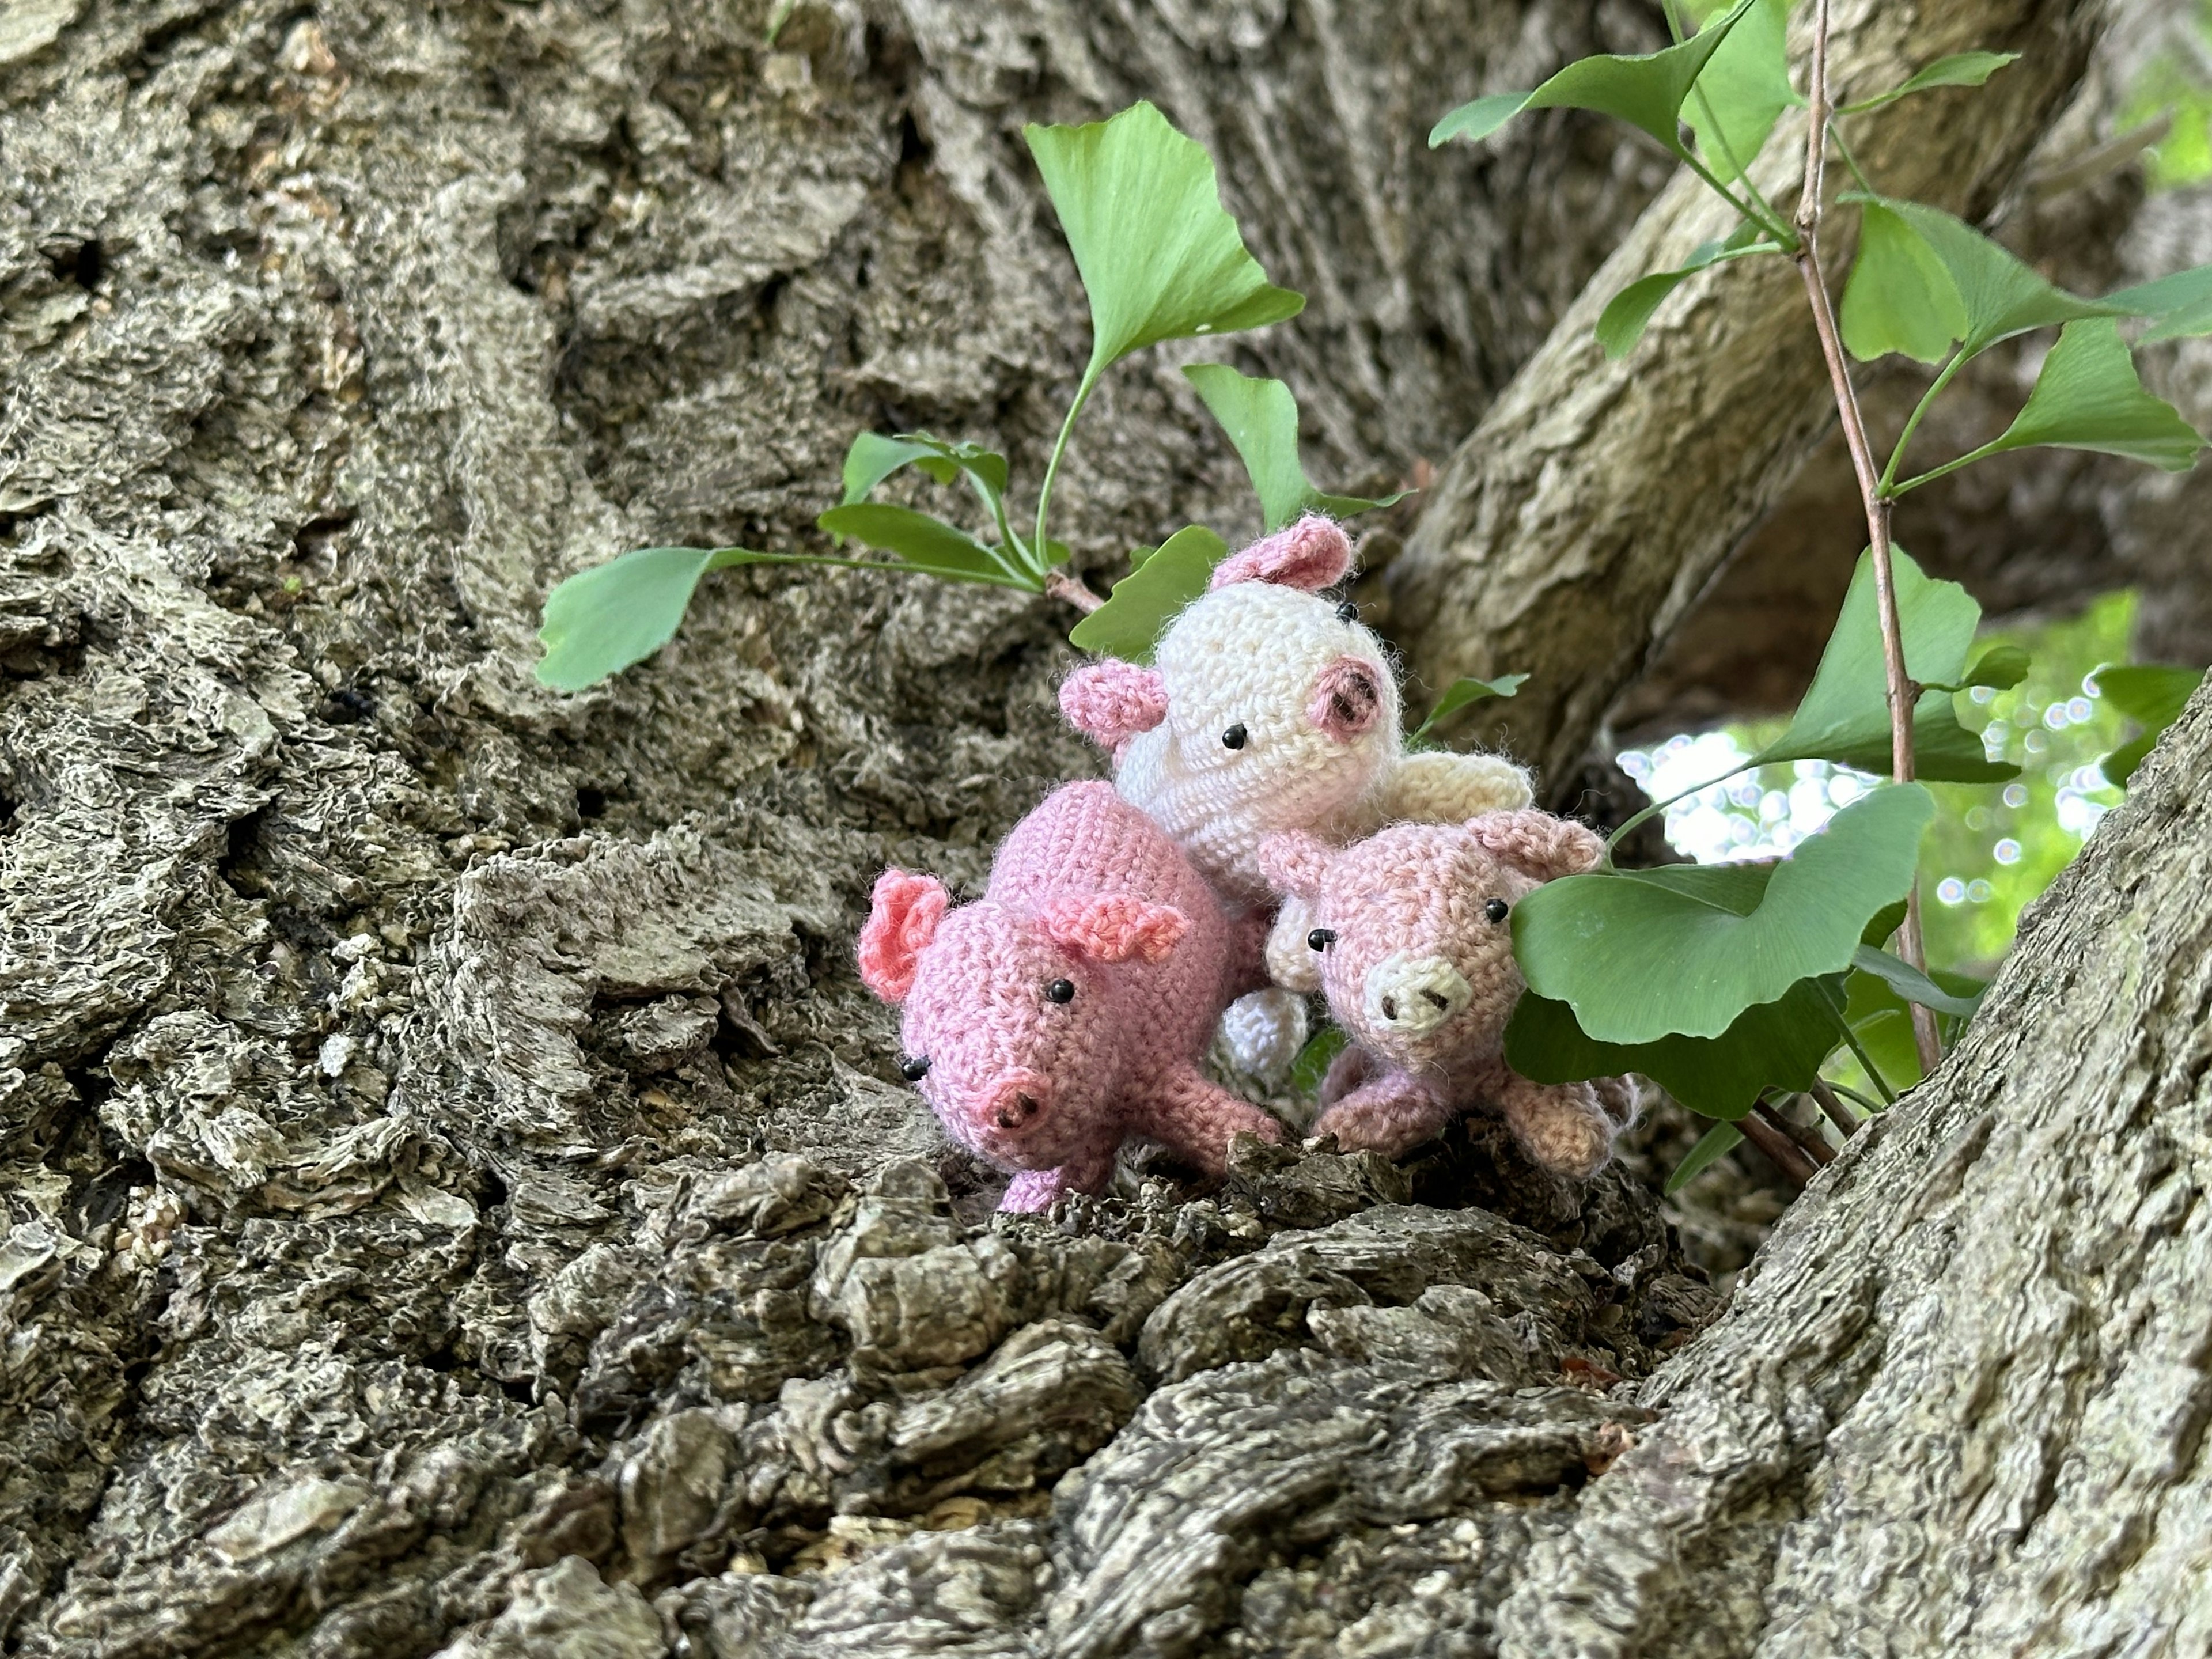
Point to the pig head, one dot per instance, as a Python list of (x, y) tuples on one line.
[(1010, 1018), (1268, 709), (1408, 932)]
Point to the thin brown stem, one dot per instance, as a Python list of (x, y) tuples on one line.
[(1781, 1151), (1059, 585), (1902, 693), (1830, 1102), (1809, 1141)]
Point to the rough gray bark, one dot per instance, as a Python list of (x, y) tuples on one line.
[(1581, 519), (397, 1063), (458, 1199)]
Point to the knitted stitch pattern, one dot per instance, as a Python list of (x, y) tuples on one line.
[(1271, 709), (1067, 1008), (1408, 935)]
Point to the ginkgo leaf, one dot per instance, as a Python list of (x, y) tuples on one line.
[(1745, 87), (1772, 1045), (1626, 315), (926, 543), (1713, 1145), (1261, 419), (1961, 69), (1843, 717), (2089, 396), (1461, 693), (1645, 954), (1999, 295), (2152, 694), (1144, 602), (1160, 256), (1645, 91), (1900, 296)]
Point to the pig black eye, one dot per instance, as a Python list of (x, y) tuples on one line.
[(1321, 938), (1060, 990), (1495, 910), (1234, 737), (915, 1069), (1347, 612)]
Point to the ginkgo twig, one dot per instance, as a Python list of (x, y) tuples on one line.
[(1903, 694)]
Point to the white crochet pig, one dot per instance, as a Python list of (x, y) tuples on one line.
[(1270, 709)]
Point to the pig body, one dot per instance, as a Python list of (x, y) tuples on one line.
[(1269, 708), (1067, 1009), (1408, 934)]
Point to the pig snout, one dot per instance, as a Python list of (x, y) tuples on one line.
[(1016, 1103), (1411, 996), (1348, 699)]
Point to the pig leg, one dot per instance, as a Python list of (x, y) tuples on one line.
[(1197, 1116), (1040, 1189), (1562, 1126), (1390, 1112)]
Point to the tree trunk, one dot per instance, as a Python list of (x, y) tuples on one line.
[(1581, 519), (459, 1199)]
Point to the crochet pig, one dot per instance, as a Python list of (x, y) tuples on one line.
[(1407, 934), (1067, 1009), (1269, 709)]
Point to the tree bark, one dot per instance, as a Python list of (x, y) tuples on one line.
[(459, 1199), (1583, 518)]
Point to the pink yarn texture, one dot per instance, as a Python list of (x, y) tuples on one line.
[(1270, 708), (1408, 933), (1067, 1009)]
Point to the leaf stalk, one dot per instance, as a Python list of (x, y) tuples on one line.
[(1902, 692)]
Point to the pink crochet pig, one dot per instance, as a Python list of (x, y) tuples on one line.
[(1067, 1009), (1407, 934), (1270, 708)]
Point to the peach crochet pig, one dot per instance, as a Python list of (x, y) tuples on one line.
[(1270, 708), (1408, 934), (1067, 1009)]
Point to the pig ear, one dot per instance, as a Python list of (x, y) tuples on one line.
[(903, 916), (1537, 844), (1113, 928), (1294, 864), (1310, 555), (1110, 702)]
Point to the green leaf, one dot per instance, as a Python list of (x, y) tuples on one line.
[(873, 457), (1144, 602), (2001, 296), (1459, 694), (600, 621), (1160, 258), (1882, 1021), (1961, 69), (2088, 397), (1900, 296), (927, 544), (1643, 954), (1477, 120), (1743, 91), (1622, 323), (2000, 667), (1772, 1045), (1844, 717), (1261, 419), (1646, 92), (1714, 1144), (2153, 693), (2180, 304), (1311, 1066), (1909, 983)]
